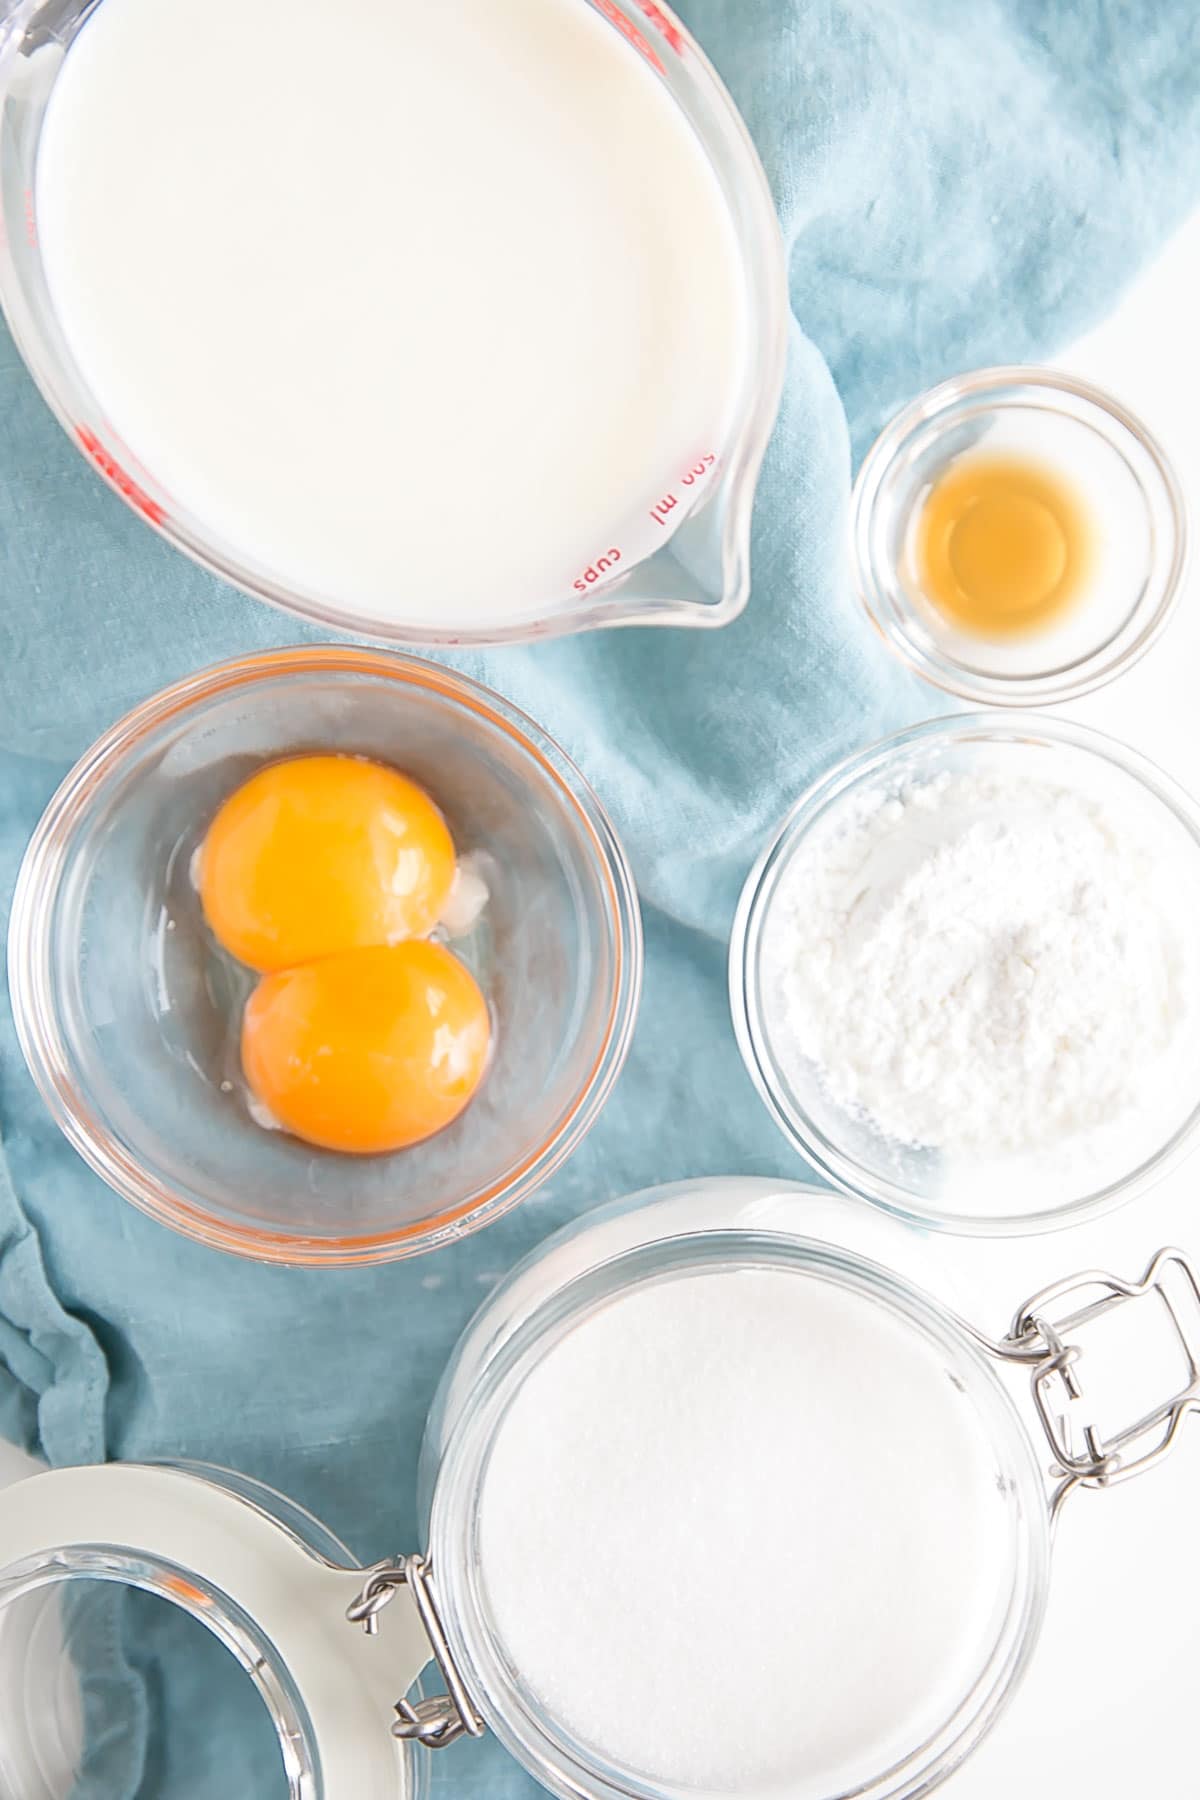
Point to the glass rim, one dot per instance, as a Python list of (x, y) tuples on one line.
[(565, 1766), (817, 1148), (36, 1014), (1101, 663), (202, 1600)]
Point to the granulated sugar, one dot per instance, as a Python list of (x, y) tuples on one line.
[(741, 1531), (982, 963)]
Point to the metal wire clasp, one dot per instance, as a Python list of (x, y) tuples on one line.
[(1083, 1455), (442, 1719)]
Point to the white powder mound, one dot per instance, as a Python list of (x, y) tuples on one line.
[(980, 964)]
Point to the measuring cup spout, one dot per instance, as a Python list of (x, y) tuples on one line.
[(700, 574), (708, 559)]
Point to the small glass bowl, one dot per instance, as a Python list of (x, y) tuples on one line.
[(127, 1010), (1130, 493), (1006, 1194)]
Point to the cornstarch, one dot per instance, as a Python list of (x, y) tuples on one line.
[(979, 963)]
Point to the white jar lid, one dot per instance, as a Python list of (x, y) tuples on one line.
[(280, 1608)]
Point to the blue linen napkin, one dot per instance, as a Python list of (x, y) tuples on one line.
[(958, 184)]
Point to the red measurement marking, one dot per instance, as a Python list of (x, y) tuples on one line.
[(598, 570), (668, 27), (125, 484), (187, 1591), (699, 470), (668, 503), (629, 30)]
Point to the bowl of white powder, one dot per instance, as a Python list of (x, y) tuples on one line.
[(965, 974)]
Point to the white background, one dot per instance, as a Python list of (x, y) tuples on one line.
[(1106, 1711)]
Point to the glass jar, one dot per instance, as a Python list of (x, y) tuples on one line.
[(286, 1604)]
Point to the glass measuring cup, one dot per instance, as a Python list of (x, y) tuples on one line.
[(257, 1563), (683, 559)]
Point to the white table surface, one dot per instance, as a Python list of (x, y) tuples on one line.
[(1105, 1712)]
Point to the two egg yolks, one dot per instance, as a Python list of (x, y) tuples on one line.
[(323, 874)]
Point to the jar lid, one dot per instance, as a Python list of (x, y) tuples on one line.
[(217, 1549)]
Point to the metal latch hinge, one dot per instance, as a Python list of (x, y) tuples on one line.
[(1042, 1338), (442, 1719)]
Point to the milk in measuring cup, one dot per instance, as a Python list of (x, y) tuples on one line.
[(422, 309)]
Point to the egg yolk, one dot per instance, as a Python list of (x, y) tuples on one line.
[(320, 854), (370, 1050)]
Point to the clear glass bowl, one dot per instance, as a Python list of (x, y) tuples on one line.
[(125, 1006), (1129, 490), (701, 576), (1004, 1194)]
